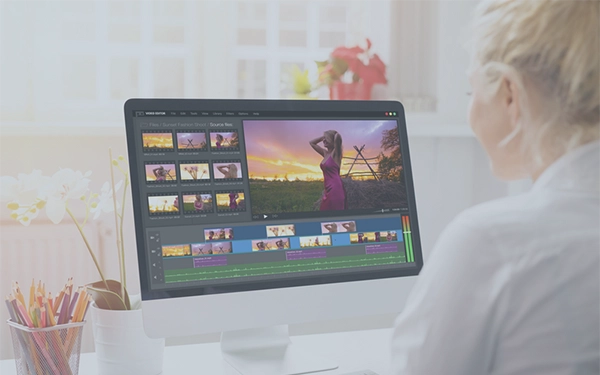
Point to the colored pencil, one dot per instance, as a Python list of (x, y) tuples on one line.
[(42, 317), (31, 293), (58, 300), (51, 316), (80, 306), (44, 351), (74, 301), (50, 301), (13, 302), (87, 306), (38, 298), (18, 293), (20, 335), (64, 308), (10, 308), (33, 317)]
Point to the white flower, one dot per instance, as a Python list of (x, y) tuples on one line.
[(105, 200), (24, 194), (66, 184), (25, 215), (25, 189)]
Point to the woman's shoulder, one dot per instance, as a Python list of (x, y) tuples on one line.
[(501, 211), (512, 227)]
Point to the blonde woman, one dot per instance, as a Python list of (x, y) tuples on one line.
[(228, 171), (512, 286), (334, 196)]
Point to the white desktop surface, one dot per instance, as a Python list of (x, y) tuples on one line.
[(354, 351)]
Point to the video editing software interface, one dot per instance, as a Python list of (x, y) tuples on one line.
[(235, 197)]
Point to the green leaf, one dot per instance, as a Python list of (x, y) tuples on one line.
[(339, 66), (111, 298), (322, 64)]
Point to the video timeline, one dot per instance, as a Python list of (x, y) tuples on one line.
[(299, 236)]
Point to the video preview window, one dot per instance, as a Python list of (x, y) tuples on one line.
[(324, 165), (191, 141), (224, 141), (194, 171), (228, 170), (157, 141), (197, 202), (157, 173)]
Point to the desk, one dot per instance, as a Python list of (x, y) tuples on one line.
[(357, 350)]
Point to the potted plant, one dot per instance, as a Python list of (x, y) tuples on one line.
[(121, 344), (351, 72)]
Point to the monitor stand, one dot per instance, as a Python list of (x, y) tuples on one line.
[(269, 351)]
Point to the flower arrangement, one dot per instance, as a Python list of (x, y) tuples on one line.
[(354, 67), (28, 195)]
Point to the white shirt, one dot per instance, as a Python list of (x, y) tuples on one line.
[(512, 285)]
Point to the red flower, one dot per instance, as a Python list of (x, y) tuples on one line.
[(366, 67)]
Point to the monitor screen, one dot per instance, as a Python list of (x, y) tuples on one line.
[(236, 195)]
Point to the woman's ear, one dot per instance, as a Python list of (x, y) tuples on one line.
[(510, 94)]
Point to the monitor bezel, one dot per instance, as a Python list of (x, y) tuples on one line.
[(245, 105)]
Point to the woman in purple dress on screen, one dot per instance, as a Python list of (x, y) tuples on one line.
[(219, 142), (334, 196), (233, 200), (198, 204)]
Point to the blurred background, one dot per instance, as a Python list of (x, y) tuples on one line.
[(68, 66)]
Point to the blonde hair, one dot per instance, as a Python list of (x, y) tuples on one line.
[(337, 146), (232, 171), (553, 46)]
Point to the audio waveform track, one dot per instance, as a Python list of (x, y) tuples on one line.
[(285, 267)]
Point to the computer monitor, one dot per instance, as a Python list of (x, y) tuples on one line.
[(249, 216)]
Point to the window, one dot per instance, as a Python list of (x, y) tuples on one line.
[(137, 48), (274, 36), (63, 61)]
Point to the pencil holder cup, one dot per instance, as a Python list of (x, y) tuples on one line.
[(53, 350)]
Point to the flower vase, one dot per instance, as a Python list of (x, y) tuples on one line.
[(350, 91), (122, 347)]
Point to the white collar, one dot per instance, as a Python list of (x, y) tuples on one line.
[(577, 170)]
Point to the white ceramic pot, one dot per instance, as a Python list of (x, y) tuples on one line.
[(122, 347)]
